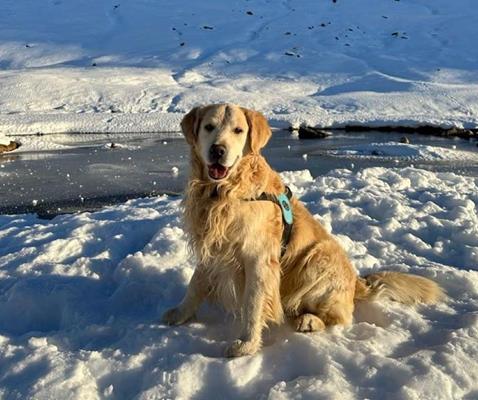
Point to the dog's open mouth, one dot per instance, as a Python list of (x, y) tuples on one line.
[(217, 171)]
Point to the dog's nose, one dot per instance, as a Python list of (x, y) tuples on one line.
[(216, 151)]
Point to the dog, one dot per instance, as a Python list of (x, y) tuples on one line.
[(237, 239)]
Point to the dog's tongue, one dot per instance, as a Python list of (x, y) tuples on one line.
[(217, 171)]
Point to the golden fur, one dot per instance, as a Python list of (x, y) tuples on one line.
[(237, 242)]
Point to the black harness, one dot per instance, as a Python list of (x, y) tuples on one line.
[(283, 201)]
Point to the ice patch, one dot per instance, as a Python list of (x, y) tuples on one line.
[(403, 151)]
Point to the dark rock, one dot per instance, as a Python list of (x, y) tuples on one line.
[(93, 64), (208, 27), (452, 131), (404, 139), (249, 13), (466, 134), (308, 132), (376, 153), (182, 44)]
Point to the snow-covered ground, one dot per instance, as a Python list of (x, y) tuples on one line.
[(138, 65), (81, 295)]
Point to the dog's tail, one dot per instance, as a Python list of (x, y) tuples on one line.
[(396, 286)]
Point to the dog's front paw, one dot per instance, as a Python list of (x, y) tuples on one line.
[(175, 316), (240, 348)]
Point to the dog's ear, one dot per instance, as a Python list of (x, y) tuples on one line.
[(190, 125), (259, 129)]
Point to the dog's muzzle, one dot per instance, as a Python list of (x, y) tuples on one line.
[(216, 152)]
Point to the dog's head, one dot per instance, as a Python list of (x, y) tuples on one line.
[(221, 134)]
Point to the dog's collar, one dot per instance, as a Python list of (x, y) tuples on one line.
[(283, 201)]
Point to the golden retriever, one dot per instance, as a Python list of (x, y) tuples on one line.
[(236, 239)]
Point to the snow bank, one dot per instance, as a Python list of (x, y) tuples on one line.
[(80, 298), (137, 66), (98, 122), (404, 151)]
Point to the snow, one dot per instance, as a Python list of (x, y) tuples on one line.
[(133, 66), (404, 151), (81, 295)]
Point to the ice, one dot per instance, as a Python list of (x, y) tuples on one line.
[(404, 151)]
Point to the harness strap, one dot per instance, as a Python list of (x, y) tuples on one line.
[(283, 201)]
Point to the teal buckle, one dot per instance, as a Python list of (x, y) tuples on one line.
[(284, 203)]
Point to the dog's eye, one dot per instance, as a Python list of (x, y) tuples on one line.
[(238, 130), (209, 127)]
